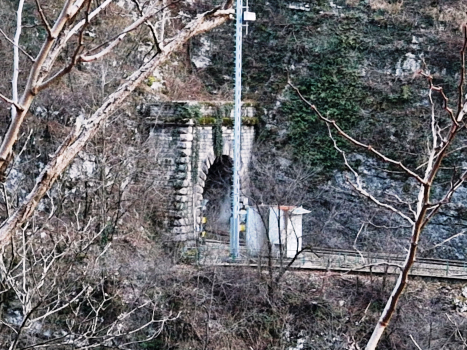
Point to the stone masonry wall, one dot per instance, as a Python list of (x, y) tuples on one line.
[(186, 152)]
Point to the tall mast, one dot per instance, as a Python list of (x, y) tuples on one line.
[(235, 223)]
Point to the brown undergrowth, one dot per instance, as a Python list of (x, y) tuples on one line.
[(229, 308)]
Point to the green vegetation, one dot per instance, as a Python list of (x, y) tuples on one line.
[(195, 157), (217, 136), (151, 80), (186, 112), (246, 121), (334, 86)]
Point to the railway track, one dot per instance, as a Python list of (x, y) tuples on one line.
[(345, 261)]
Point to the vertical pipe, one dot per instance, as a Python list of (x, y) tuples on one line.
[(234, 226)]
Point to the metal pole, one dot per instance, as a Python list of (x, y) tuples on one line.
[(235, 224)]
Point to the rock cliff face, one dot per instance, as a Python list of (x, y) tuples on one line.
[(359, 62), (341, 218)]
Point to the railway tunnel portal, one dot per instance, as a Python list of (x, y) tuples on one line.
[(194, 143)]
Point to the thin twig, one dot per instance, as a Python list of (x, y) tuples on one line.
[(383, 263), (151, 26), (355, 242), (446, 240), (447, 197), (110, 44), (7, 100), (418, 346), (443, 95), (447, 153), (460, 88), (74, 60), (5, 197), (43, 18), (14, 80), (19, 47), (359, 186), (22, 150), (388, 227)]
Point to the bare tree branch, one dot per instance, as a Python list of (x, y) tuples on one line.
[(460, 87), (413, 340), (63, 40), (84, 130), (69, 10), (20, 48), (437, 151), (423, 206), (74, 59), (7, 100), (114, 42), (356, 239), (448, 153), (151, 27), (358, 186), (446, 240), (447, 197)]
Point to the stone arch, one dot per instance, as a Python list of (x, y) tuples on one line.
[(208, 159)]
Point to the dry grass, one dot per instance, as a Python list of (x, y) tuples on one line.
[(180, 86), (392, 8), (454, 15), (352, 2)]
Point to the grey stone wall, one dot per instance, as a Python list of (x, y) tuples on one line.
[(186, 151)]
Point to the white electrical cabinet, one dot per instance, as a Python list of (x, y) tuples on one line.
[(283, 226)]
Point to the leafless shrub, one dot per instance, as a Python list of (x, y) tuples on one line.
[(388, 6), (57, 294)]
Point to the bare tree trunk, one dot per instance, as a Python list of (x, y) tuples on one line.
[(33, 82), (437, 150), (404, 275), (86, 129)]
